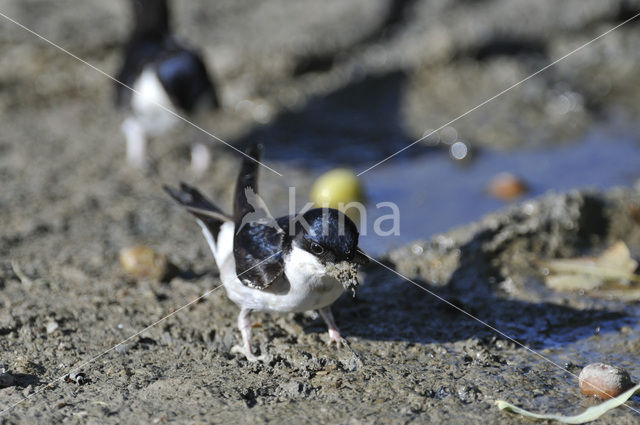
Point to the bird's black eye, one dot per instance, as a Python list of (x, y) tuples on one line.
[(316, 248)]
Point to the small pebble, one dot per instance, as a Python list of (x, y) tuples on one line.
[(52, 326), (603, 381), (144, 263), (507, 186), (27, 391)]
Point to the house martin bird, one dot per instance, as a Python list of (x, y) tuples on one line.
[(163, 73), (299, 263)]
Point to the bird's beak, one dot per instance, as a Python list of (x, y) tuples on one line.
[(360, 257)]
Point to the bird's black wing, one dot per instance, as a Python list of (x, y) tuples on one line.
[(257, 247), (203, 209), (184, 77), (258, 253)]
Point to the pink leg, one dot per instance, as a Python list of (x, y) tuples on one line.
[(200, 159), (136, 144), (244, 324), (334, 333)]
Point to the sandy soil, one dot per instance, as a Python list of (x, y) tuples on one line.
[(69, 203)]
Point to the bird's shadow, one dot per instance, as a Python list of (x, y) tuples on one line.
[(391, 308), (26, 379)]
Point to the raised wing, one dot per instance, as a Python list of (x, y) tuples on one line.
[(257, 247)]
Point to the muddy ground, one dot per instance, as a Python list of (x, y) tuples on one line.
[(364, 78)]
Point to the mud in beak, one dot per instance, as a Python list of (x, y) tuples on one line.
[(346, 272)]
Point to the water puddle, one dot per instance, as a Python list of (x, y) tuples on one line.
[(435, 194)]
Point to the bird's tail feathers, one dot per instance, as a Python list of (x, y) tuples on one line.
[(203, 209)]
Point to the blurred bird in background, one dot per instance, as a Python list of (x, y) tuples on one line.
[(164, 74)]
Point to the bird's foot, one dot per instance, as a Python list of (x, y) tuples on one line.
[(136, 144), (336, 338), (245, 351), (200, 159)]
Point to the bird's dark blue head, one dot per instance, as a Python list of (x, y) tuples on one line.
[(331, 236)]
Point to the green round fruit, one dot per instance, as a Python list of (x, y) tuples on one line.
[(337, 187)]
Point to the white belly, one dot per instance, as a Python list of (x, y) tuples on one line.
[(148, 103), (305, 287)]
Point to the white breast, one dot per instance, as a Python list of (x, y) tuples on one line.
[(147, 103), (305, 286)]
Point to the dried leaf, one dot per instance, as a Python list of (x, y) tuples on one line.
[(591, 414), (573, 282), (614, 266)]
